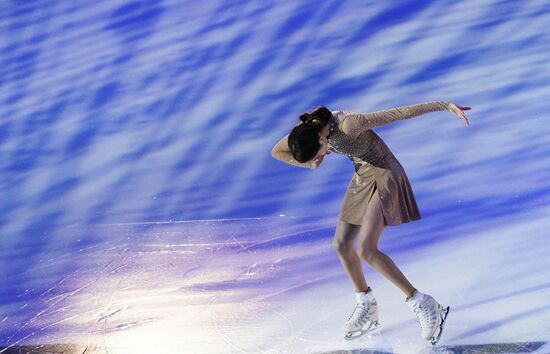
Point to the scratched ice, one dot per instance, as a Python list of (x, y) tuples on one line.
[(269, 285)]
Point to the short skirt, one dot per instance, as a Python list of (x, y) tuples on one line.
[(394, 190)]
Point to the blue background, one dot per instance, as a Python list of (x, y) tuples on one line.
[(147, 110)]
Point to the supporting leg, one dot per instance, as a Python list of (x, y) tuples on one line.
[(343, 242), (373, 226)]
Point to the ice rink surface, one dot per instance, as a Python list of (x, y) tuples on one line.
[(274, 285), (141, 211)]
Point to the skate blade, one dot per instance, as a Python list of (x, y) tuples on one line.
[(354, 335), (443, 316)]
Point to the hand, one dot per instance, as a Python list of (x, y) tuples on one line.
[(317, 162), (459, 111), (323, 150), (324, 143)]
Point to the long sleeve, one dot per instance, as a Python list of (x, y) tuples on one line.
[(355, 123), (282, 153)]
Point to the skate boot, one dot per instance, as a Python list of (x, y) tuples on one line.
[(364, 317), (430, 314)]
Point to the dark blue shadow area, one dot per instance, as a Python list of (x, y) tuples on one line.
[(495, 348), (135, 17), (391, 16)]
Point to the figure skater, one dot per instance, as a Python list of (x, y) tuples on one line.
[(379, 194)]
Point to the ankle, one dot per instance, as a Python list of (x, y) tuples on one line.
[(411, 295), (368, 290)]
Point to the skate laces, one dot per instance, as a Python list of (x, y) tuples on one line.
[(359, 313), (422, 315)]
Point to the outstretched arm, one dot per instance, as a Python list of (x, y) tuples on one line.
[(282, 153), (355, 123)]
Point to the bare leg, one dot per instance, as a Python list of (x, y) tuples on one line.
[(343, 242), (373, 226)]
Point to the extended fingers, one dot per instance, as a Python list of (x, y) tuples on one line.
[(464, 119)]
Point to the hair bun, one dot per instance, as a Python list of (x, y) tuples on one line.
[(310, 120), (304, 118)]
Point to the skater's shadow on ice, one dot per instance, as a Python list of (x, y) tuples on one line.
[(503, 321), (506, 295), (492, 348)]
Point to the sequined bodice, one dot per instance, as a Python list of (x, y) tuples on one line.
[(365, 148)]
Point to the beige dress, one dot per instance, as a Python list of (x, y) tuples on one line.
[(377, 171)]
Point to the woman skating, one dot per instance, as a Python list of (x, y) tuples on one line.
[(379, 194)]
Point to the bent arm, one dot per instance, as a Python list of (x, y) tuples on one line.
[(282, 153), (357, 122)]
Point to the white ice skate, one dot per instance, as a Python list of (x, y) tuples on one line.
[(364, 317), (430, 314)]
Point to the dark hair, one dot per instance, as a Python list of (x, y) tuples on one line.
[(303, 140)]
